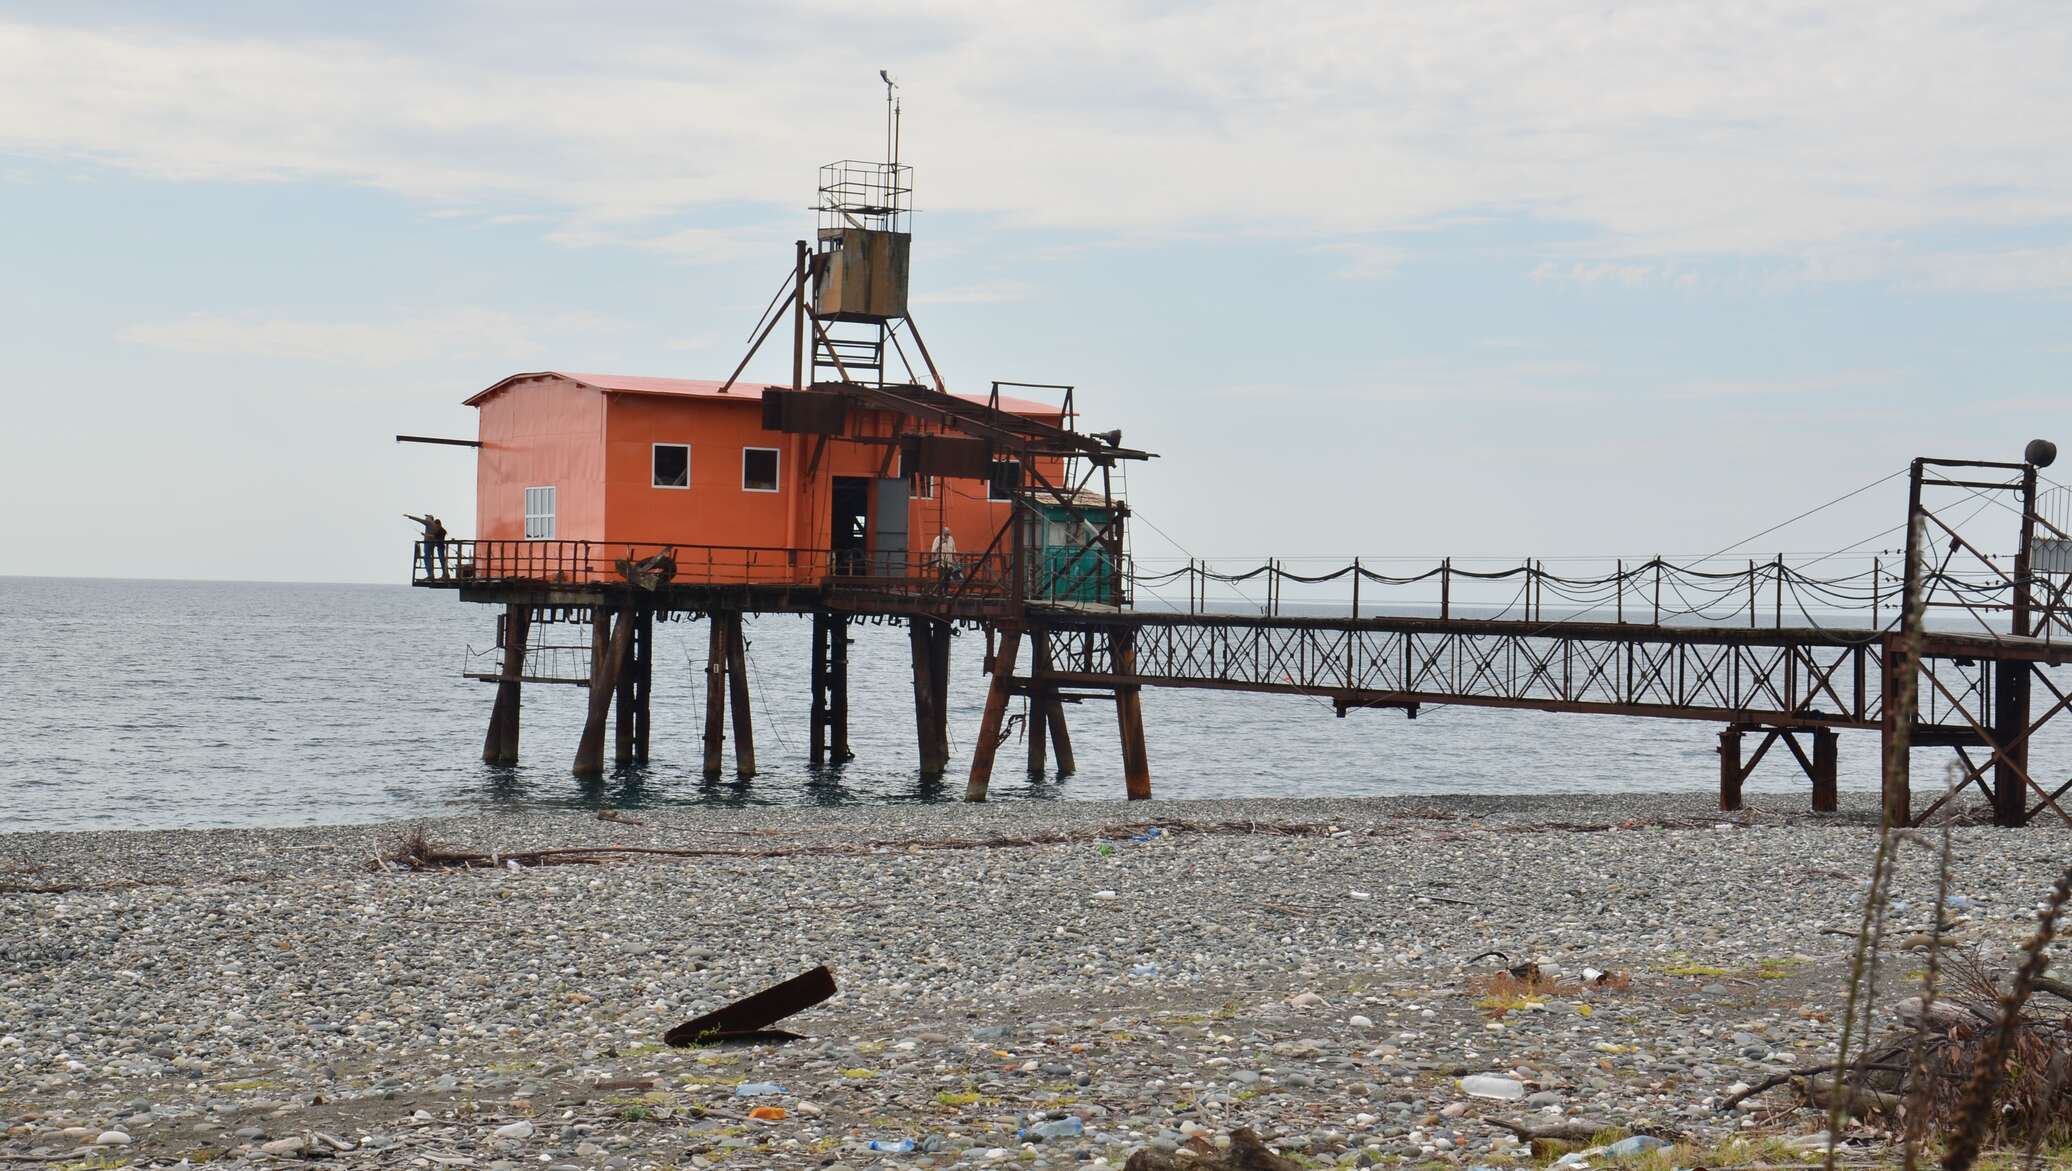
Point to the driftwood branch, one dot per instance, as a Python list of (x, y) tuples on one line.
[(415, 853)]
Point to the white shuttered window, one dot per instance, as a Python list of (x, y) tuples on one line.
[(539, 514)]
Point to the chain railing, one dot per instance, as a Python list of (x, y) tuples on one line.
[(1772, 593)]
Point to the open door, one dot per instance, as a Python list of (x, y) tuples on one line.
[(851, 517)]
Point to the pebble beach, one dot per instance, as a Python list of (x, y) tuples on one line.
[(1032, 985)]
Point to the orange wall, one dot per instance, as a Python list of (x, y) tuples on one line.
[(536, 434), (715, 509), (540, 433)]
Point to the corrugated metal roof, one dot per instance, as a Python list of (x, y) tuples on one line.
[(702, 388)]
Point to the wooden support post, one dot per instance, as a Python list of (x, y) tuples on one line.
[(1730, 772), (609, 644), (1053, 707), (1129, 716), (715, 692), (838, 690), (2011, 737), (1001, 664), (1036, 707), (817, 727), (500, 746), (1825, 797), (737, 689), (921, 644), (623, 685), (939, 677), (643, 682), (1896, 733)]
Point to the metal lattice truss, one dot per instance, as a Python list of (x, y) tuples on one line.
[(1792, 678)]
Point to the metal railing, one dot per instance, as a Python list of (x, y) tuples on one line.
[(580, 563)]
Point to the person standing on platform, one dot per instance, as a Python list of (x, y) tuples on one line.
[(434, 542), (943, 554)]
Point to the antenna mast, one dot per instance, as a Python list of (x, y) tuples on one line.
[(891, 120)]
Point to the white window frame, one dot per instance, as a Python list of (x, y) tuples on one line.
[(535, 531), (683, 487), (992, 499), (924, 487), (777, 473)]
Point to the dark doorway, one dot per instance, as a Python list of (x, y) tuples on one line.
[(850, 539)]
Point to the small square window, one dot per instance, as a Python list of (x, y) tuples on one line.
[(672, 465), (758, 469), (924, 487)]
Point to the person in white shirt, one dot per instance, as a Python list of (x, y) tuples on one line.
[(943, 554)]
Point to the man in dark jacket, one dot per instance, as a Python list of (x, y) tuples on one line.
[(434, 542)]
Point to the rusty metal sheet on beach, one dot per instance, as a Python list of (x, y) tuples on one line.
[(750, 1018)]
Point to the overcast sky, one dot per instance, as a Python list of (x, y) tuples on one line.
[(1391, 278)]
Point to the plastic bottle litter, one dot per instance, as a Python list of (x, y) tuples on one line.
[(1639, 1144), (1056, 1128), (757, 1089), (1150, 969), (1489, 1085), (903, 1146)]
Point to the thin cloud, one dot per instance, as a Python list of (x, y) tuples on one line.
[(1662, 131)]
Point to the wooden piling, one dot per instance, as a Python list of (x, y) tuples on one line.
[(500, 746), (609, 643), (1051, 711), (1895, 728), (817, 717), (737, 689), (838, 690), (623, 687), (1129, 715), (643, 682), (2010, 747), (1033, 732), (715, 692), (1001, 665), (928, 716), (1825, 797), (1731, 774), (1036, 709)]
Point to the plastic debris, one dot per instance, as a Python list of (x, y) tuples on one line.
[(767, 1113), (903, 1146), (1489, 1085), (1639, 1144), (757, 1089), (1055, 1128)]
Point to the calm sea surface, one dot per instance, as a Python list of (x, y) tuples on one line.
[(146, 704)]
